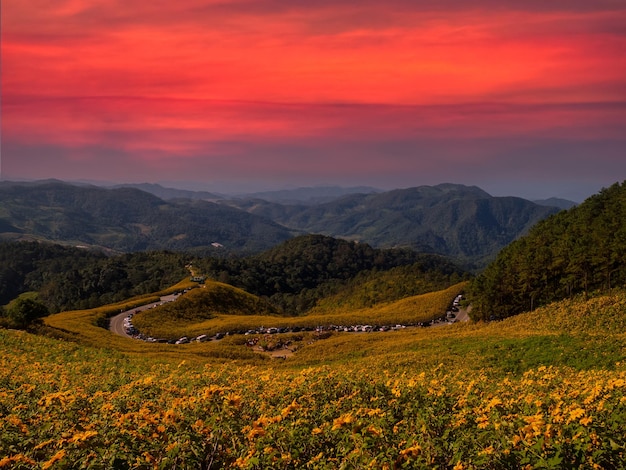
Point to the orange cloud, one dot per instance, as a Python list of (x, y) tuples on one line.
[(199, 79)]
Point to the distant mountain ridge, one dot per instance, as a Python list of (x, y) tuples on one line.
[(128, 219), (463, 222), (556, 202), (308, 195), (170, 193)]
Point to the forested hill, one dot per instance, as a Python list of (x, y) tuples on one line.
[(576, 251), (294, 275), (67, 278), (461, 222), (127, 219), (298, 273)]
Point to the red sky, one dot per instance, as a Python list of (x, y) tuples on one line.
[(524, 98)]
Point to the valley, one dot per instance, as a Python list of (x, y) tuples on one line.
[(122, 324), (315, 353)]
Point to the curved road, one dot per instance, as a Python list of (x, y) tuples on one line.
[(116, 323), (463, 314)]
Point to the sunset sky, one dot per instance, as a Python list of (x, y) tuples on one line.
[(522, 98)]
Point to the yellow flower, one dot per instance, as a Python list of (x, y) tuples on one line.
[(586, 420), (170, 416), (575, 414), (233, 400), (344, 419), (482, 421), (83, 436), (288, 409), (493, 403), (411, 452), (256, 432), (17, 458), (316, 431), (211, 390), (55, 458)]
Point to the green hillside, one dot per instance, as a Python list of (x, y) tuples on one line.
[(292, 277), (541, 390), (302, 271), (127, 219), (581, 250), (461, 222), (212, 299)]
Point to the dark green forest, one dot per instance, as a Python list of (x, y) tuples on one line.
[(578, 251), (292, 276), (295, 275), (129, 220), (69, 278)]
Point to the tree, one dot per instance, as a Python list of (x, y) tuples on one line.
[(24, 310)]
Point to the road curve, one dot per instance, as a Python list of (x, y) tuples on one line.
[(463, 314), (116, 323)]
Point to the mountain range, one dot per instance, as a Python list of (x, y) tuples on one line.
[(461, 222), (128, 219)]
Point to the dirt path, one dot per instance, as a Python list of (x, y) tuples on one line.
[(463, 314), (282, 353)]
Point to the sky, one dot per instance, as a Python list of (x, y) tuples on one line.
[(519, 98)]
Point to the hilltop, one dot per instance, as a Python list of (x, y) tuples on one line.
[(580, 250), (461, 222), (128, 219), (297, 274)]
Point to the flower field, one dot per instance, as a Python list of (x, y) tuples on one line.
[(443, 397)]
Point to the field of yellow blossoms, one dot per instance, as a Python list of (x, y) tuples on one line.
[(64, 405)]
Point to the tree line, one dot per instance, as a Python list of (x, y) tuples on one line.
[(572, 252), (297, 274), (292, 277)]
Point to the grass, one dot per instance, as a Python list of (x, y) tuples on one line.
[(545, 389), (239, 311)]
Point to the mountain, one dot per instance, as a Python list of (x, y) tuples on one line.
[(309, 195), (299, 272), (556, 202), (306, 195), (171, 193), (581, 250), (462, 222), (127, 219)]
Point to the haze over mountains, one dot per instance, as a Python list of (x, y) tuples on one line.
[(461, 222), (128, 219)]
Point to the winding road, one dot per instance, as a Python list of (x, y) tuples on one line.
[(117, 326), (116, 323)]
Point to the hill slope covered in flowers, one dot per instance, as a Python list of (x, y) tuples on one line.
[(545, 389)]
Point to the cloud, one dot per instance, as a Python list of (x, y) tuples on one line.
[(304, 89)]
